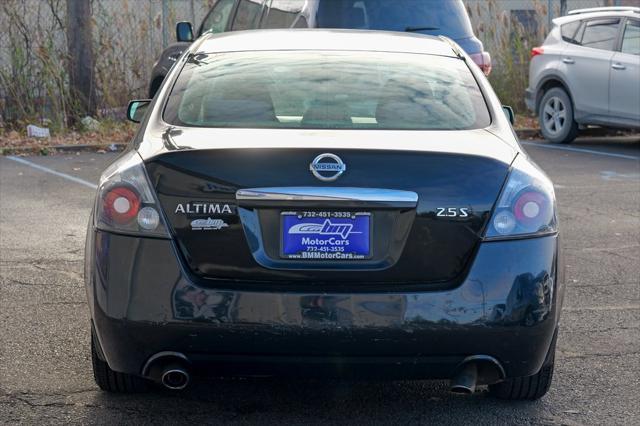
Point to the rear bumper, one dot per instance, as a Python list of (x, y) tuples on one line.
[(530, 100), (143, 302)]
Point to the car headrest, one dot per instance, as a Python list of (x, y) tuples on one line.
[(245, 103), (400, 105), (238, 111), (337, 113)]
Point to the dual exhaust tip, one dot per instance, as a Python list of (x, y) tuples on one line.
[(174, 374), (176, 377)]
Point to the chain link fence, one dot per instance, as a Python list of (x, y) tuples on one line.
[(128, 36)]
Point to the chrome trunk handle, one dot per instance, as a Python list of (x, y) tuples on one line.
[(327, 197)]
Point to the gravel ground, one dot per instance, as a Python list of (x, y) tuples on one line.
[(45, 371)]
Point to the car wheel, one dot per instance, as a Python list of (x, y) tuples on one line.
[(112, 381), (530, 387), (556, 117)]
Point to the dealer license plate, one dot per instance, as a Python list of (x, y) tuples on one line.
[(331, 235)]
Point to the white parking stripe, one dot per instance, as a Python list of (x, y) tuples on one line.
[(586, 151), (53, 172)]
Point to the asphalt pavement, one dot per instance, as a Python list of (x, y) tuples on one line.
[(45, 366)]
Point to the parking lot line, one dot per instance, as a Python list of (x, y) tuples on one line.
[(587, 151), (53, 172)]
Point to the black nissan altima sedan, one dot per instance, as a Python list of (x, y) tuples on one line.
[(324, 202)]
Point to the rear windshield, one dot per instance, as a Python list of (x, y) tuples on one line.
[(327, 90), (447, 17)]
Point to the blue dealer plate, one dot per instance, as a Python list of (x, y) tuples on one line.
[(320, 235)]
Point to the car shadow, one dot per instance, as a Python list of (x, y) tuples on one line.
[(629, 142), (291, 401)]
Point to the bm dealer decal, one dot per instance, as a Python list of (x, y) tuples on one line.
[(208, 209)]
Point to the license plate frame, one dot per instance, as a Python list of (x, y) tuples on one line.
[(319, 227)]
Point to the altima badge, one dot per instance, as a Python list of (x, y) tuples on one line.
[(327, 167), (208, 224), (203, 208)]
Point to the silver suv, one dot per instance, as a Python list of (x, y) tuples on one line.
[(587, 72)]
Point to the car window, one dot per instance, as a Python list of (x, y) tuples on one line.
[(247, 15), (600, 34), (217, 20), (631, 38), (447, 18), (282, 13), (569, 31), (327, 90)]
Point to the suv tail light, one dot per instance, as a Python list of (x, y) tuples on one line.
[(537, 51), (125, 203), (483, 60), (527, 205)]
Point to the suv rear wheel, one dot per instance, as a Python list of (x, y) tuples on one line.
[(556, 117)]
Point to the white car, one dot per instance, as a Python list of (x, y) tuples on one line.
[(587, 72)]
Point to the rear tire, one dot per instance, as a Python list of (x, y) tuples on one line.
[(556, 118), (530, 387), (112, 381)]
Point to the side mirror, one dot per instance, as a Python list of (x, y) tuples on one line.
[(137, 109), (184, 32), (508, 111)]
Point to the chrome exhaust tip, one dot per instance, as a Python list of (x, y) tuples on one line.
[(464, 382), (175, 377)]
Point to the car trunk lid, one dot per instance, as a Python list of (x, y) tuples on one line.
[(427, 204)]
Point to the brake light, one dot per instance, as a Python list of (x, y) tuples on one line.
[(537, 51), (483, 60), (121, 204), (530, 207), (526, 205), (125, 202), (530, 212)]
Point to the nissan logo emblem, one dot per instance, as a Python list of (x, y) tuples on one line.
[(327, 167)]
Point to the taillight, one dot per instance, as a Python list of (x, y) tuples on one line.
[(483, 60), (121, 204), (531, 208), (537, 51), (526, 205), (125, 201)]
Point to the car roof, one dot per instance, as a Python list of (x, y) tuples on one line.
[(325, 39), (596, 14)]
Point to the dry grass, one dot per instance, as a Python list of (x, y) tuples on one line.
[(510, 43), (34, 57), (110, 132)]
